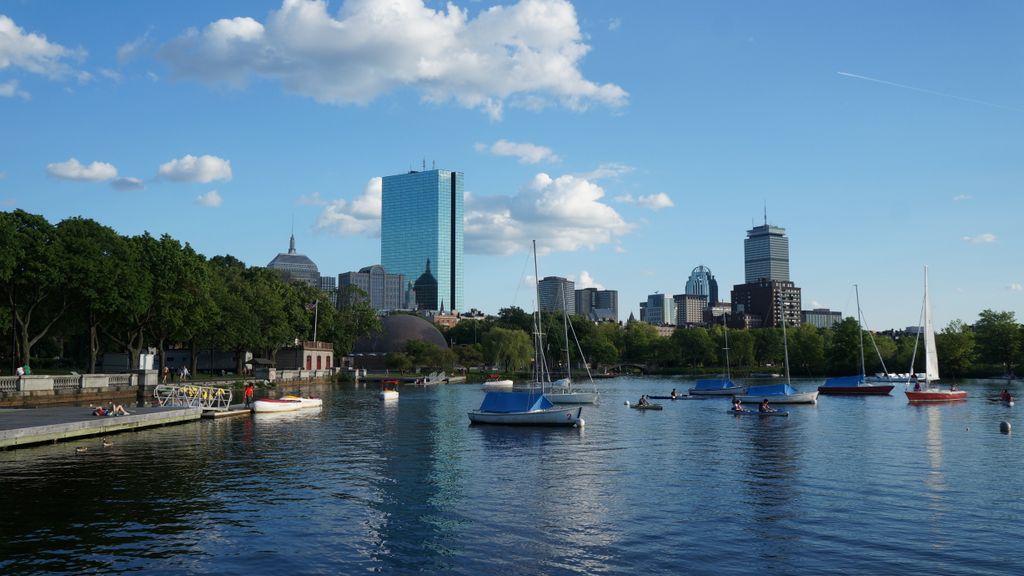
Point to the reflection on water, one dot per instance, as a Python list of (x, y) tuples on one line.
[(850, 486)]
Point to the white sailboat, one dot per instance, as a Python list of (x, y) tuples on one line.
[(780, 393), (928, 392), (532, 407), (562, 391)]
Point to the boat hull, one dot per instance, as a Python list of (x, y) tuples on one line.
[(935, 395), (647, 407), (388, 395), (497, 385), (276, 405), (867, 390), (799, 398), (719, 392), (305, 402), (546, 417)]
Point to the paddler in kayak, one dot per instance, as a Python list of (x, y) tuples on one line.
[(764, 407)]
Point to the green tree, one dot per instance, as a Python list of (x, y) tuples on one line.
[(509, 349), (398, 361), (843, 354), (768, 346), (696, 347), (955, 347), (806, 350), (514, 318), (639, 342), (741, 348), (998, 338)]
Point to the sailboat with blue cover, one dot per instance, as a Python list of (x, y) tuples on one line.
[(856, 385), (719, 386), (531, 407), (780, 393)]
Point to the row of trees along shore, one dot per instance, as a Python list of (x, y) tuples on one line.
[(992, 346), (78, 289)]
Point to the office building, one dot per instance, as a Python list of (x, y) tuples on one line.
[(329, 286), (766, 254), (702, 282), (557, 293), (421, 235), (821, 317), (598, 305), (766, 301), (295, 267), (690, 309), (385, 292), (659, 309)]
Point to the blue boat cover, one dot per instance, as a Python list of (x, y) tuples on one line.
[(772, 390), (845, 381), (714, 384), (505, 402)]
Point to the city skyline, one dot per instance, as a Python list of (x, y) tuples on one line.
[(632, 145)]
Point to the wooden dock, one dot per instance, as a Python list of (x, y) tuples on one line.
[(233, 410), (25, 427)]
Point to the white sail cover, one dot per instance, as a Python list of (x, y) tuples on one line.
[(931, 359)]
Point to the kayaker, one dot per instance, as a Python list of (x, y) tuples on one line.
[(673, 393), (643, 400), (764, 406), (1005, 395), (737, 406)]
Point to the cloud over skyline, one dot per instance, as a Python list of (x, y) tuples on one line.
[(74, 170), (985, 238), (202, 169), (525, 152), (360, 216), (526, 53)]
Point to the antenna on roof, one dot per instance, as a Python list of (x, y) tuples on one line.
[(424, 164), (433, 164), (765, 212)]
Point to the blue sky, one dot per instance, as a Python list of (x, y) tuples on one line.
[(634, 141)]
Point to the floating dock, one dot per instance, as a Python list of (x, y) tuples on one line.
[(25, 427), (233, 410)]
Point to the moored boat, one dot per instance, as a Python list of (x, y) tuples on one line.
[(856, 385), (276, 405), (305, 402), (777, 394), (523, 409), (716, 387), (495, 382)]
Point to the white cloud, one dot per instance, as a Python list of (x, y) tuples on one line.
[(132, 50), (34, 53), (980, 238), (961, 197), (72, 169), (564, 214), (586, 281), (604, 171), (211, 199), (361, 216), (614, 24), (312, 200), (10, 90), (201, 169), (127, 184), (526, 153), (528, 52), (1015, 287), (652, 201), (152, 76), (111, 74), (816, 304)]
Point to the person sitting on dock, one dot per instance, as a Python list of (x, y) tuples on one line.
[(764, 407), (98, 410), (116, 410)]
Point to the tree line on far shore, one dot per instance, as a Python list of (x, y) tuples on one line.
[(77, 289), (989, 347)]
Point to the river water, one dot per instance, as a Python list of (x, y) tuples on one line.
[(849, 486)]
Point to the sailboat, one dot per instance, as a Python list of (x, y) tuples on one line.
[(562, 391), (928, 392), (780, 393), (856, 385), (532, 407), (719, 386)]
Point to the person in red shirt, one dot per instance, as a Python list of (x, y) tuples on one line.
[(249, 391)]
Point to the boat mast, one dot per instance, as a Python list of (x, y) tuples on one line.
[(725, 324), (565, 326), (538, 343), (860, 332), (785, 341)]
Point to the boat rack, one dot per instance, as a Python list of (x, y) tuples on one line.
[(205, 397)]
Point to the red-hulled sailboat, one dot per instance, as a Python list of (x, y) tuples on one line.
[(926, 392)]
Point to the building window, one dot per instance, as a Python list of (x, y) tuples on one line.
[(309, 362), (319, 359)]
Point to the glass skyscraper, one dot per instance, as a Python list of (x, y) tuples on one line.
[(702, 283), (766, 254), (421, 235)]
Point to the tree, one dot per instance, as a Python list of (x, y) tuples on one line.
[(639, 341), (955, 347), (998, 338), (768, 346), (509, 349), (741, 348), (806, 350), (696, 347), (32, 276), (844, 351), (514, 318), (398, 361)]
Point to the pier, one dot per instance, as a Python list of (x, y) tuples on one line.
[(25, 427)]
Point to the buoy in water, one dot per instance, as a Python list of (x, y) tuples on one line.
[(581, 423), (1004, 427)]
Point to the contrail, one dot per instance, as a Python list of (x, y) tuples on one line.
[(932, 92)]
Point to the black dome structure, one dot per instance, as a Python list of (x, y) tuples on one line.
[(397, 330)]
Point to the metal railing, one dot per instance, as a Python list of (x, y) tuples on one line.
[(205, 397)]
